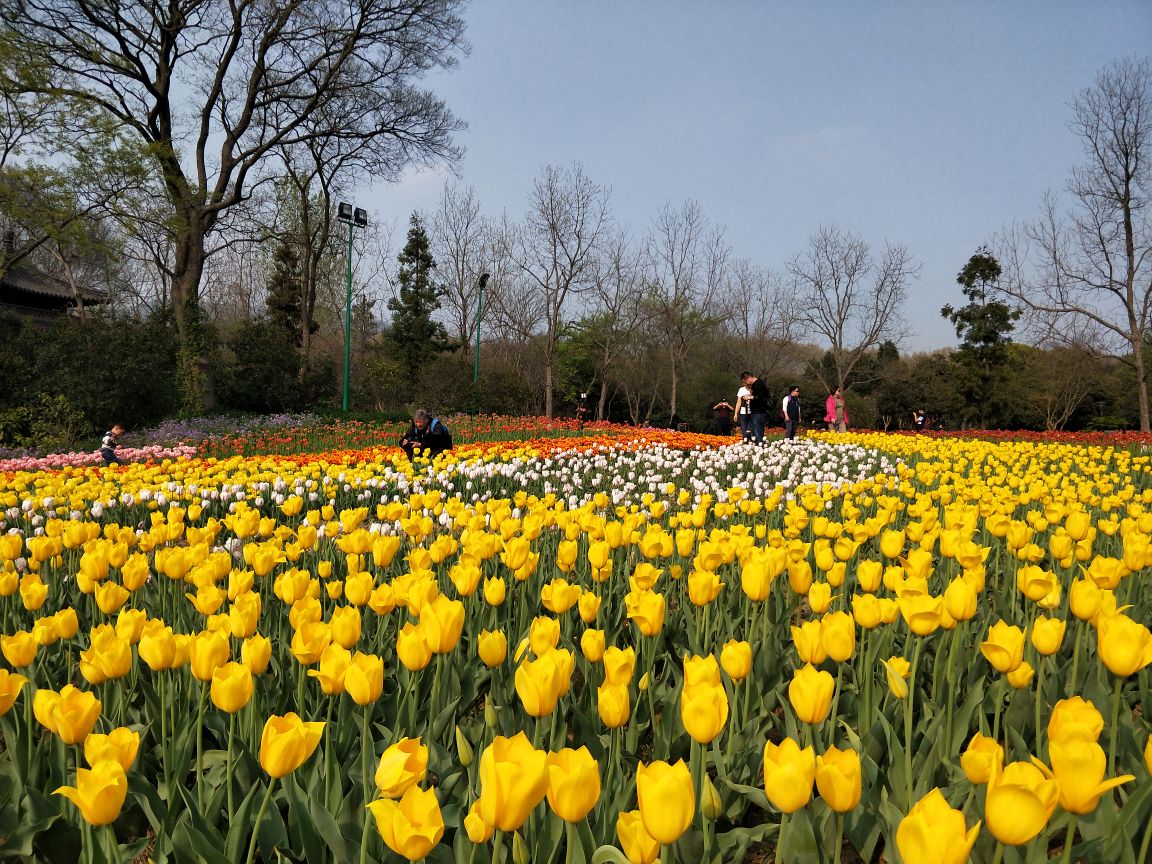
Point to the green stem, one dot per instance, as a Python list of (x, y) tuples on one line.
[(200, 752), (497, 847), (228, 768), (1071, 688), (1069, 837), (259, 818), (839, 838), (1038, 701), (365, 745), (908, 720), (569, 843), (1145, 843), (781, 835), (1112, 737), (999, 856)]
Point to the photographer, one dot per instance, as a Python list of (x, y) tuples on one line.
[(427, 434)]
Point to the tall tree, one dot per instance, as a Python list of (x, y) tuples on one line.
[(212, 87), (415, 335), (1093, 281), (984, 326), (282, 300), (686, 261), (461, 243), (851, 299), (556, 247)]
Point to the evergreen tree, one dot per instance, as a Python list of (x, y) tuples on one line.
[(284, 292), (414, 335), (984, 327)]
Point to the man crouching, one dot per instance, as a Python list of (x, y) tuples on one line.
[(427, 435)]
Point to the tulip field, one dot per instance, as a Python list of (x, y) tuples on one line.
[(603, 645)]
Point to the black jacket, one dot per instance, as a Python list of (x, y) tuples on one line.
[(433, 438)]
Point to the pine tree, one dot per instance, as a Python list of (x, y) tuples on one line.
[(284, 289), (415, 336)]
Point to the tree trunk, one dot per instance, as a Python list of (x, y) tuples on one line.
[(602, 402), (549, 386), (1141, 381), (193, 369)]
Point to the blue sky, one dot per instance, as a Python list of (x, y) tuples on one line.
[(933, 124)]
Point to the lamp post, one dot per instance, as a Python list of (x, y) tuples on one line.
[(484, 277), (352, 217)]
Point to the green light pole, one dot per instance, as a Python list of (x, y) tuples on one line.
[(479, 311), (352, 217)]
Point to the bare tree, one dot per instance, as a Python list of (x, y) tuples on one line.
[(1062, 378), (211, 88), (763, 316), (848, 297), (460, 239), (556, 250), (618, 312), (686, 259), (1089, 272)]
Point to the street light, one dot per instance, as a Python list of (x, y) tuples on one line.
[(484, 277), (353, 218)]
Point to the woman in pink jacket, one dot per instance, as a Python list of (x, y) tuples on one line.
[(835, 414)]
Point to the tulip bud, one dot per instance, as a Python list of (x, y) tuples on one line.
[(519, 849), (463, 749), (490, 718), (710, 804)]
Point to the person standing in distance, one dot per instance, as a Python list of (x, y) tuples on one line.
[(835, 414), (791, 410), (757, 405)]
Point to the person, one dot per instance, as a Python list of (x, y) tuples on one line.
[(757, 405), (426, 434), (918, 420), (744, 411), (109, 443), (790, 408), (835, 414), (582, 411), (723, 421)]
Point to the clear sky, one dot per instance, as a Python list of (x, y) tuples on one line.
[(933, 123)]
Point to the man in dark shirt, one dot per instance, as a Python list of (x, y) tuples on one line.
[(427, 435), (758, 404), (791, 411)]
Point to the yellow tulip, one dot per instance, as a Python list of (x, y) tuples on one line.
[(1124, 646), (402, 766), (619, 665), (788, 774), (756, 577), (589, 607), (646, 610), (1085, 599), (130, 624), (70, 714), (592, 645), (120, 745), (345, 625), (573, 783), (108, 656), (495, 590), (703, 587), (1047, 635), (809, 646), (1004, 647), (1078, 767), (666, 798), (983, 759), (868, 575), (441, 622), (411, 648), (933, 833), (923, 613), (287, 742), (334, 663), (10, 686), (838, 635), (866, 610), (638, 845), (256, 653), (960, 599), (541, 682), (897, 670), (703, 710), (543, 635), (1075, 719), (364, 678), (99, 792), (736, 658), (838, 779), (559, 595), (513, 780), (1019, 803), (810, 693), (412, 826), (613, 704), (475, 827), (206, 651), (232, 687), (19, 649), (892, 544)]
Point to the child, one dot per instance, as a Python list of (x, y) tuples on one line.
[(109, 444)]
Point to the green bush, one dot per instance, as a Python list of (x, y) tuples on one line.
[(47, 424)]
